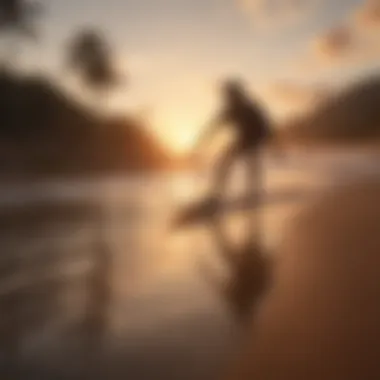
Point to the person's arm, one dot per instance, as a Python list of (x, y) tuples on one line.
[(210, 129)]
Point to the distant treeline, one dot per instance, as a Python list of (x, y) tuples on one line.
[(350, 117), (45, 132)]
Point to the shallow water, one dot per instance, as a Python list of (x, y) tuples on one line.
[(92, 265)]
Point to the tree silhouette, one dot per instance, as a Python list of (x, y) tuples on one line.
[(18, 21), (91, 58)]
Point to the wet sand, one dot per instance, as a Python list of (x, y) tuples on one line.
[(320, 319)]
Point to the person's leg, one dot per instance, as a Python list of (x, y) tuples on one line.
[(222, 170), (255, 188)]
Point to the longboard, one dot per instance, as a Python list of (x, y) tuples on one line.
[(206, 209)]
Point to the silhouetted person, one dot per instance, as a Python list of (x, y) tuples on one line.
[(250, 124), (252, 130)]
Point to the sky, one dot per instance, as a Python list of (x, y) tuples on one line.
[(290, 53)]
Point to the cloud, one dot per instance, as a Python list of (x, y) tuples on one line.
[(334, 43), (275, 13), (368, 15), (353, 42)]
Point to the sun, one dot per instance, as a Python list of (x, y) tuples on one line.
[(184, 139), (180, 136)]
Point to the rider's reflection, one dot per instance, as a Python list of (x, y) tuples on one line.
[(248, 268)]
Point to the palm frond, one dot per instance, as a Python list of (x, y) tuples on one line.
[(90, 56)]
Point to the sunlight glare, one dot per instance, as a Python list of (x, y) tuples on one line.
[(180, 136)]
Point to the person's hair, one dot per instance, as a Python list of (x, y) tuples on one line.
[(233, 87)]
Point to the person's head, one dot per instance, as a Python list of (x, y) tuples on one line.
[(233, 90)]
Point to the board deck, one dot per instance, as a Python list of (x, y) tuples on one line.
[(206, 209)]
